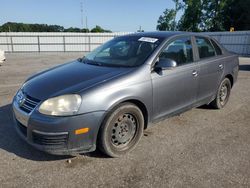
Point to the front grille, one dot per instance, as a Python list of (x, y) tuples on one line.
[(53, 140), (29, 104), (22, 128)]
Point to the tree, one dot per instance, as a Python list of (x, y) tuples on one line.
[(98, 29), (178, 6), (207, 15), (167, 21), (191, 19), (220, 15), (21, 27), (73, 29), (237, 14), (85, 30), (213, 15)]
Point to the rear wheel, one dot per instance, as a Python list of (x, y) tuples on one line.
[(223, 94), (122, 130)]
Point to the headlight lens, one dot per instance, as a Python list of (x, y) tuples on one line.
[(61, 106)]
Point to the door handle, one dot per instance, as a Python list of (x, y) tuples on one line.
[(195, 73), (221, 66)]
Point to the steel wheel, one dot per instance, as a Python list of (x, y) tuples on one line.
[(121, 130), (124, 130), (222, 95)]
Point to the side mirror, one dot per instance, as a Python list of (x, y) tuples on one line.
[(165, 63), (80, 59)]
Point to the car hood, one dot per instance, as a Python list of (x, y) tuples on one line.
[(69, 78)]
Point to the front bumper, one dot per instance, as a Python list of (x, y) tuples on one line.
[(56, 135)]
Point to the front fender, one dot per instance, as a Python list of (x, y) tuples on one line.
[(106, 99), (107, 96)]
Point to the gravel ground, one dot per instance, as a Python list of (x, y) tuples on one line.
[(199, 148)]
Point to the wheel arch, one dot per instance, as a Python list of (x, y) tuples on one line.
[(136, 102), (142, 107), (230, 77)]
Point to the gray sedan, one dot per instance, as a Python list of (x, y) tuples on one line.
[(107, 98)]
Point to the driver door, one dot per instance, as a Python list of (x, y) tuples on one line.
[(175, 89)]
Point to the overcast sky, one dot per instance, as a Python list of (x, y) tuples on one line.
[(116, 15)]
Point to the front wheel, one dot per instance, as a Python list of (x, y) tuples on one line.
[(223, 94), (121, 130)]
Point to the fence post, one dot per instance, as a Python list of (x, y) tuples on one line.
[(248, 46), (89, 43), (64, 46), (38, 43), (11, 43)]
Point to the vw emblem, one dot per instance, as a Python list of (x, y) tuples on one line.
[(21, 102), (20, 99)]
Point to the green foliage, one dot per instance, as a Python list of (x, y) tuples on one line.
[(21, 27), (76, 30), (207, 15), (237, 15), (166, 22), (191, 19), (213, 16), (98, 29)]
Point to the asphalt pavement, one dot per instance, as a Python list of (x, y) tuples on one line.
[(200, 148)]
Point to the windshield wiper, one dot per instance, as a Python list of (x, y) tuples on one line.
[(94, 63), (86, 61)]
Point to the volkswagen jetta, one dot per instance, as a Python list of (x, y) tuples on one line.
[(108, 97)]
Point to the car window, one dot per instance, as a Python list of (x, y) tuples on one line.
[(123, 51), (179, 50), (120, 49), (205, 48), (217, 48)]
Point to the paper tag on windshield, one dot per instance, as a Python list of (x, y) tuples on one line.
[(148, 39)]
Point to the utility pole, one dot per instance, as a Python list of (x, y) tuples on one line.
[(81, 8), (140, 29), (86, 18), (86, 22)]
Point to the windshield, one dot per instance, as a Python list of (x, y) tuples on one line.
[(129, 51)]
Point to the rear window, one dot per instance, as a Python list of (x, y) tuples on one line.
[(217, 48), (205, 47)]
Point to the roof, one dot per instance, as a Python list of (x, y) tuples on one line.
[(162, 34), (165, 34)]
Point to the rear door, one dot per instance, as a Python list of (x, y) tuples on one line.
[(211, 67), (175, 89)]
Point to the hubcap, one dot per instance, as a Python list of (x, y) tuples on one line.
[(223, 93), (123, 130)]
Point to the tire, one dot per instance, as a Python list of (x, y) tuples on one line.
[(121, 130), (222, 95)]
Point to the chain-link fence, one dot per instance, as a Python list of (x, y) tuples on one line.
[(238, 42)]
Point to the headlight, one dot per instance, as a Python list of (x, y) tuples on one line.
[(61, 106)]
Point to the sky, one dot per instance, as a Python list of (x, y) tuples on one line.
[(115, 15)]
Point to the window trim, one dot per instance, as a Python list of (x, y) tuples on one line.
[(213, 41), (198, 54), (168, 42)]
